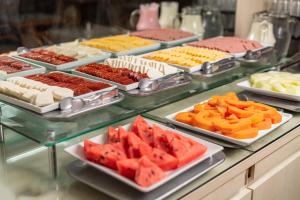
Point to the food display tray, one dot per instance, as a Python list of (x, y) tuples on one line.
[(129, 87), (136, 51), (242, 142), (212, 149), (36, 70), (69, 65), (194, 68), (275, 102), (102, 182), (247, 86), (41, 110), (178, 42)]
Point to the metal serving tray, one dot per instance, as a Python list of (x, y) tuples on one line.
[(194, 68), (136, 51), (178, 42), (41, 110), (247, 86), (86, 174), (242, 142), (276, 102), (36, 70), (212, 149), (65, 66)]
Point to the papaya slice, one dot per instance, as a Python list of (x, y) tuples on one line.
[(257, 118), (185, 117), (244, 134), (239, 112), (203, 107), (204, 121), (224, 125), (213, 100), (239, 104), (232, 96), (264, 125)]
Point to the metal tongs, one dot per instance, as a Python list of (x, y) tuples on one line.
[(255, 55), (149, 85), (73, 103), (220, 66)]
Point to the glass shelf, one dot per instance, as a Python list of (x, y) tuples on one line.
[(49, 133)]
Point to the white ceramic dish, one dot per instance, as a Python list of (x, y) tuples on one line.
[(243, 142), (185, 68), (247, 86), (77, 151)]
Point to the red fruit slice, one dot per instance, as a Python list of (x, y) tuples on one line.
[(164, 160), (106, 154), (138, 121), (128, 167), (194, 152), (137, 147), (160, 140), (113, 135), (148, 173), (90, 155)]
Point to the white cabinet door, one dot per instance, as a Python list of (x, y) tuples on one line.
[(244, 194), (281, 182)]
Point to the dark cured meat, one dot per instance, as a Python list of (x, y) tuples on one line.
[(123, 76), (47, 56), (10, 65), (78, 85)]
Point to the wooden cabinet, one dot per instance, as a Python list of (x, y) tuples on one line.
[(281, 182), (269, 174)]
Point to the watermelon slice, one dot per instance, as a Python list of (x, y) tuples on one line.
[(137, 147), (160, 141), (128, 167), (148, 173), (138, 121), (106, 154), (90, 155), (113, 135), (164, 160)]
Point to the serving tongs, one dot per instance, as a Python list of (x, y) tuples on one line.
[(74, 107), (253, 56), (151, 85), (210, 69)]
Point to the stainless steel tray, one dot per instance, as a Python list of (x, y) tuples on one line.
[(178, 42), (112, 187), (41, 110), (276, 102), (66, 66), (37, 69)]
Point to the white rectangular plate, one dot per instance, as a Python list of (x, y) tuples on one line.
[(77, 151), (68, 65), (243, 142), (247, 86), (185, 68), (55, 106)]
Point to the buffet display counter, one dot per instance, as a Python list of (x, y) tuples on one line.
[(247, 172)]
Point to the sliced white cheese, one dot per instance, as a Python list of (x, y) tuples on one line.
[(44, 99), (60, 93)]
